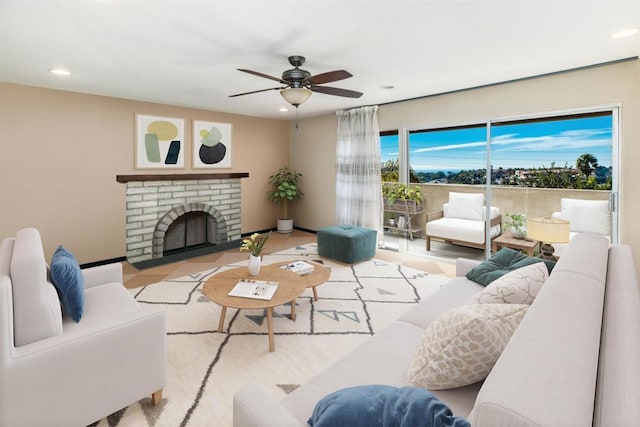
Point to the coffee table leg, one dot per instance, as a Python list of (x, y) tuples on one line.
[(272, 345), (293, 310), (315, 293), (223, 313)]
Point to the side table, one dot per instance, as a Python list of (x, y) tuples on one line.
[(506, 240)]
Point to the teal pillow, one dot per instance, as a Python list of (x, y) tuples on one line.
[(383, 405), (502, 262), (67, 278)]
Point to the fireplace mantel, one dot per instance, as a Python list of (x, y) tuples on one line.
[(179, 176)]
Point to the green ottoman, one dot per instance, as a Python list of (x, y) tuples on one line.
[(347, 243)]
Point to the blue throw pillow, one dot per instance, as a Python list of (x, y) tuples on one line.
[(67, 278), (383, 405), (501, 263)]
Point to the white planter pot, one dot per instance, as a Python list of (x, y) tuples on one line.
[(285, 225)]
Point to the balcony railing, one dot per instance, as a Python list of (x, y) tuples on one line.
[(533, 202)]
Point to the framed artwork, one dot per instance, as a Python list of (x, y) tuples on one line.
[(211, 145), (159, 142)]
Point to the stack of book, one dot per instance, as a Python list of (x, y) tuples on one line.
[(300, 267)]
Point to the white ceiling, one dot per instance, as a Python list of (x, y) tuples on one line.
[(186, 52)]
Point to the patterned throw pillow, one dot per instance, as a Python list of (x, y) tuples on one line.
[(461, 346), (517, 287)]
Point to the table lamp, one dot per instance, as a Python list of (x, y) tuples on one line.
[(547, 231)]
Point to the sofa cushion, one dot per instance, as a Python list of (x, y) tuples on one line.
[(502, 262), (465, 206), (101, 304), (68, 280), (462, 345), (516, 287), (456, 292), (372, 362), (382, 405)]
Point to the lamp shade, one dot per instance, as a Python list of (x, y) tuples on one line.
[(548, 230), (296, 95)]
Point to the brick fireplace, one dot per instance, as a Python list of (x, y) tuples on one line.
[(155, 202)]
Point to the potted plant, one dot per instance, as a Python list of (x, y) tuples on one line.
[(285, 189), (517, 223), (255, 245), (404, 196)]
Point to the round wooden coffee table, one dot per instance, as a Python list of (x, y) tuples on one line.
[(312, 280), (290, 287)]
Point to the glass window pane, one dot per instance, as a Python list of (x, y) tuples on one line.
[(389, 150), (574, 152), (452, 156)]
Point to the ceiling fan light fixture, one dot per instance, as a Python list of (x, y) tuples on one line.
[(296, 95)]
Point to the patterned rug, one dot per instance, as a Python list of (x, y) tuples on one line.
[(205, 367)]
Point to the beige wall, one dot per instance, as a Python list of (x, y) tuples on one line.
[(615, 84), (313, 153), (60, 153)]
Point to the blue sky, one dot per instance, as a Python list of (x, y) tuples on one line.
[(524, 145)]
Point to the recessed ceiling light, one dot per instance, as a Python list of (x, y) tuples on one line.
[(60, 72), (624, 33), (387, 87), (284, 109)]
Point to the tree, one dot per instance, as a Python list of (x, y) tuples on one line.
[(389, 172), (587, 163)]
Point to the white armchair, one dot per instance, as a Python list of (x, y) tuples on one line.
[(584, 216), (54, 371), (462, 221)]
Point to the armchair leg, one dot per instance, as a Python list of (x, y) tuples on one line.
[(156, 397), (428, 243)]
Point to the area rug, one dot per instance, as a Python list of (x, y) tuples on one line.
[(206, 367)]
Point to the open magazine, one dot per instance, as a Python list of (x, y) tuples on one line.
[(256, 289), (300, 267)]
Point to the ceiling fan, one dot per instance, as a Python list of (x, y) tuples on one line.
[(299, 84)]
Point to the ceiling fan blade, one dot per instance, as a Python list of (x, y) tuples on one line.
[(255, 73), (336, 91), (328, 77), (256, 91)]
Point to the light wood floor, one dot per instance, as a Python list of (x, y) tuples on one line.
[(134, 278)]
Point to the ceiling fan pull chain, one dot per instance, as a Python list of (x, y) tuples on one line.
[(297, 127)]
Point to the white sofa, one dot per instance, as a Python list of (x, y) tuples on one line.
[(572, 361), (462, 221), (56, 372)]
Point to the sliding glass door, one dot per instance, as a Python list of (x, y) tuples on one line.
[(451, 162), (539, 166), (563, 166)]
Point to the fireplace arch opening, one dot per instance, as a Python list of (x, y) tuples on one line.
[(187, 227)]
